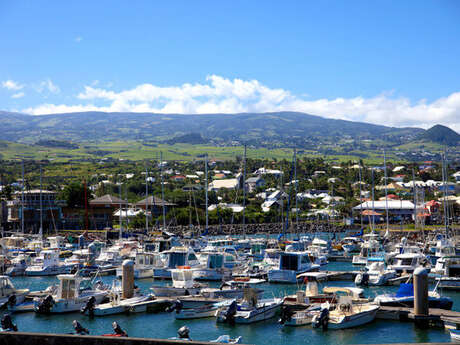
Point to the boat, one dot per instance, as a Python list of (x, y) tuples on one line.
[(296, 318), (291, 264), (232, 289), (449, 269), (408, 262), (454, 335), (18, 265), (404, 297), (225, 339), (71, 295), (249, 310), (9, 294), (351, 245), (47, 264), (371, 248), (117, 305), (144, 264), (173, 258), (203, 311), (375, 275), (214, 266), (345, 314), (183, 284), (319, 251)]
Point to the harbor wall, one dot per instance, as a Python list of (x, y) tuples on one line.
[(26, 338)]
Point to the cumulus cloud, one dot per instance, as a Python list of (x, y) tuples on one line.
[(18, 95), (222, 95), (12, 85)]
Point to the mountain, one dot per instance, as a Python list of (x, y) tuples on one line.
[(442, 135), (259, 129)]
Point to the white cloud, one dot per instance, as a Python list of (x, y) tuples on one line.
[(11, 85), (222, 95), (18, 95), (78, 39), (47, 85)]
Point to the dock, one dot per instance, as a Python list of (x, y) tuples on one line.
[(435, 318), (28, 338)]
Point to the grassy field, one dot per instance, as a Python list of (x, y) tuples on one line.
[(136, 151)]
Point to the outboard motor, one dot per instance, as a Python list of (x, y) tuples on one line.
[(79, 329), (90, 305), (362, 279), (177, 306), (117, 329), (322, 319), (12, 300), (229, 314), (184, 333), (286, 315), (45, 305), (7, 324)]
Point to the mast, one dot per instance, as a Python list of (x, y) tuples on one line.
[(86, 205), (162, 191), (244, 192), (120, 234), (206, 189), (373, 208), (22, 198), (386, 182), (445, 207), (40, 232), (295, 193), (146, 199), (414, 191), (360, 195)]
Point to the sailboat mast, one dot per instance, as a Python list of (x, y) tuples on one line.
[(295, 192), (386, 182), (146, 199), (244, 192), (444, 201), (414, 191), (22, 198), (120, 234), (360, 195), (373, 208), (206, 190), (162, 191), (41, 205)]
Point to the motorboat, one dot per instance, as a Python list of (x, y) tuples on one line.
[(351, 245), (9, 294), (173, 258), (408, 262), (72, 295), (232, 289), (291, 264), (183, 284), (404, 297), (345, 314), (371, 248), (199, 312), (250, 310), (214, 266), (376, 274), (448, 267), (144, 264), (18, 265), (47, 264), (117, 305), (296, 318)]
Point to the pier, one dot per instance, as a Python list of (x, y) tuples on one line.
[(26, 338)]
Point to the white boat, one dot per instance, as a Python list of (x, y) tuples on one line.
[(319, 251), (375, 275), (47, 264), (183, 284), (18, 265), (233, 289), (71, 296), (291, 264), (345, 315), (351, 245), (449, 269), (298, 318), (118, 306), (214, 266), (371, 248), (173, 258), (200, 312), (144, 264), (8, 293), (454, 335), (408, 262), (250, 312)]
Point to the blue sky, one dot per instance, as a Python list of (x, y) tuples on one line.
[(388, 62)]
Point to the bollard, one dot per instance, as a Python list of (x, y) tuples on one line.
[(421, 292), (127, 279)]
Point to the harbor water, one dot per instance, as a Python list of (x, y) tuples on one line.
[(164, 325)]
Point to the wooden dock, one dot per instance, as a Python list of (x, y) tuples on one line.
[(435, 318)]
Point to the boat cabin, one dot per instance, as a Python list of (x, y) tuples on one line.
[(294, 261), (47, 258), (6, 287), (180, 256), (69, 286), (182, 278)]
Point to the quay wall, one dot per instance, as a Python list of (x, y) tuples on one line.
[(26, 338)]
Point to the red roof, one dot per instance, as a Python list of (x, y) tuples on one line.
[(370, 213)]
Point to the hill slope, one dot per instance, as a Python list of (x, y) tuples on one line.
[(442, 135), (284, 128)]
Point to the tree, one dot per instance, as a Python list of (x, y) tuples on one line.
[(74, 195)]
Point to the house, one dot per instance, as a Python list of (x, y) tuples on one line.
[(398, 178), (178, 178), (154, 205), (232, 183), (272, 199), (234, 207), (253, 183), (404, 208), (102, 209), (263, 171)]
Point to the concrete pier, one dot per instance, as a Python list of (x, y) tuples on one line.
[(26, 338)]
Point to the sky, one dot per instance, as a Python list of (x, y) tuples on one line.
[(395, 63)]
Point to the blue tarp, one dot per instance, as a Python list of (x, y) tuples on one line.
[(405, 290)]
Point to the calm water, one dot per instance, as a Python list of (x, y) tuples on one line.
[(164, 325)]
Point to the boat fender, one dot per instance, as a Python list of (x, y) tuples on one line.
[(7, 323)]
